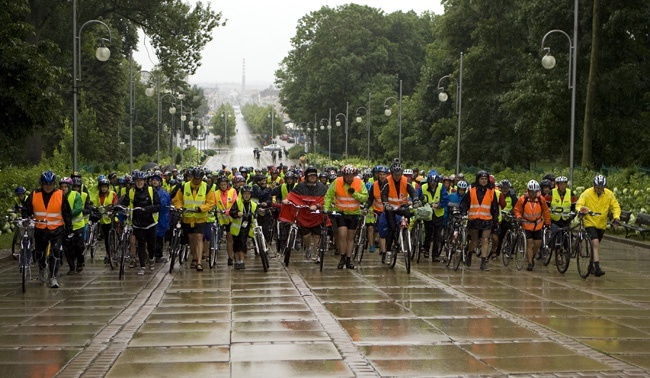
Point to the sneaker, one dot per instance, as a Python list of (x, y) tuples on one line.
[(236, 266), (371, 249), (348, 264), (229, 261), (484, 265), (161, 260), (141, 271), (341, 263), (42, 274), (54, 284), (316, 259), (389, 256), (530, 267), (598, 272), (242, 265), (152, 264)]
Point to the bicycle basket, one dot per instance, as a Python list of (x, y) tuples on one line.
[(424, 213)]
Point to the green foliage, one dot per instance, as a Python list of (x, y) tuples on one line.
[(224, 118)]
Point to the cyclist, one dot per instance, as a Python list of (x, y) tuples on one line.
[(533, 214), (163, 218), (457, 196), (78, 186), (238, 182), (225, 197), (395, 193), (550, 177), (47, 204), (435, 194), (112, 180), (346, 195), (546, 186), (408, 173), (562, 200), (195, 195), (104, 197), (482, 209), (322, 177), (601, 200), (507, 200), (144, 221), (374, 202), (77, 175), (19, 199), (263, 196), (73, 244), (274, 180), (241, 228)]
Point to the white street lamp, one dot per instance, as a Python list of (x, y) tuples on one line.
[(360, 119), (443, 96), (548, 62), (388, 112)]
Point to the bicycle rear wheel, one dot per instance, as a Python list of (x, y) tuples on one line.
[(322, 247), (507, 248), (24, 264), (457, 254), (112, 247), (291, 241), (213, 248), (123, 251), (545, 250), (417, 242), (520, 250), (563, 252), (173, 252), (584, 256), (261, 248)]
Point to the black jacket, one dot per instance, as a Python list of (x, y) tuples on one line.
[(141, 198)]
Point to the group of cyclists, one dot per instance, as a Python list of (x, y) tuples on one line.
[(233, 198)]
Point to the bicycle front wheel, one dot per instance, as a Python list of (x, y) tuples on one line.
[(417, 242), (123, 251), (323, 247), (545, 250), (562, 252), (15, 245), (520, 249), (291, 241), (261, 248), (457, 250), (584, 256), (214, 247), (173, 252), (507, 247), (24, 265), (112, 248), (406, 249)]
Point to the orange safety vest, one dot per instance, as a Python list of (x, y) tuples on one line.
[(532, 215), (394, 199), (52, 213), (480, 210), (344, 200), (377, 205)]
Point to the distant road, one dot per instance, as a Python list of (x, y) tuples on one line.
[(240, 151)]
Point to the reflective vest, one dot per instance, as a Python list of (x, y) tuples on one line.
[(108, 200), (433, 198), (393, 198), (284, 190), (211, 215), (480, 210), (344, 200), (78, 221), (166, 185), (230, 199), (532, 214), (52, 213), (86, 217), (559, 202), (191, 201), (235, 226), (132, 195), (377, 205), (509, 203), (498, 193)]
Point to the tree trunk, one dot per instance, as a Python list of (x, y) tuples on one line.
[(591, 88)]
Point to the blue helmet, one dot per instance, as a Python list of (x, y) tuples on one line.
[(21, 190), (433, 178), (139, 175), (48, 177)]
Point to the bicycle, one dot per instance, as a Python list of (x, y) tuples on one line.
[(323, 242), (260, 244), (92, 236), (360, 238), (583, 250), (124, 240), (293, 233), (215, 238), (402, 239), (545, 249), (418, 233), (176, 249), (26, 247), (456, 243), (561, 242), (514, 242)]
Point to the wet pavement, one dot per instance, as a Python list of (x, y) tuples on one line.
[(299, 322)]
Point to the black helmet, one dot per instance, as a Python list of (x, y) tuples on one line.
[(48, 177), (546, 183), (246, 188), (311, 171), (21, 190), (396, 167), (549, 177), (198, 172), (323, 174), (482, 173)]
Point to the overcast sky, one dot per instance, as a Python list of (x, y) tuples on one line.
[(260, 32)]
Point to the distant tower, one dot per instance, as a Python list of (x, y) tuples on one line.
[(243, 76)]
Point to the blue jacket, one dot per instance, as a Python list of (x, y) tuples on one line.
[(163, 214)]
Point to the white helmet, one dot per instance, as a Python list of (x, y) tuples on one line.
[(534, 185), (408, 172)]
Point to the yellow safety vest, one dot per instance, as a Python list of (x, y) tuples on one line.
[(230, 199), (78, 221), (132, 195), (558, 202), (191, 202), (235, 225), (435, 198)]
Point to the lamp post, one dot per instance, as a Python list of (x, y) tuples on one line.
[(338, 124), (359, 119), (388, 112), (272, 116), (150, 92), (172, 111), (102, 54), (160, 98), (225, 120), (329, 132), (548, 62), (443, 96)]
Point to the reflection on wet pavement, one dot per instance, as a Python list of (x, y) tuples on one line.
[(299, 322)]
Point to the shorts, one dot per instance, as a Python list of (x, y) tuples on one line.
[(310, 230), (348, 221), (535, 235), (595, 233), (199, 228)]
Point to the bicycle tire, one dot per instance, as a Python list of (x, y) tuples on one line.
[(15, 245), (507, 248), (24, 265), (173, 252), (417, 245), (520, 249), (357, 240), (213, 248), (323, 247), (112, 247), (584, 255), (261, 247), (123, 248), (93, 240), (291, 240), (395, 248), (181, 254), (457, 251), (406, 249), (563, 253)]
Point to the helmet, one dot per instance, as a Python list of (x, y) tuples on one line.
[(546, 183), (396, 167), (75, 174), (112, 175), (505, 184), (376, 169), (273, 170), (482, 173), (561, 179), (433, 178), (446, 178), (236, 179), (533, 185), (323, 174), (198, 172), (452, 177), (549, 177), (348, 170), (139, 175), (408, 172), (157, 175), (600, 180), (257, 170), (128, 179), (460, 176), (102, 181), (66, 180), (243, 169), (462, 184), (76, 181), (101, 177), (333, 176), (221, 179), (21, 190), (290, 175), (121, 181), (48, 177), (246, 188), (311, 171), (384, 169)]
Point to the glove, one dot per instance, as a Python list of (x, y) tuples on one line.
[(198, 209), (350, 191)]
